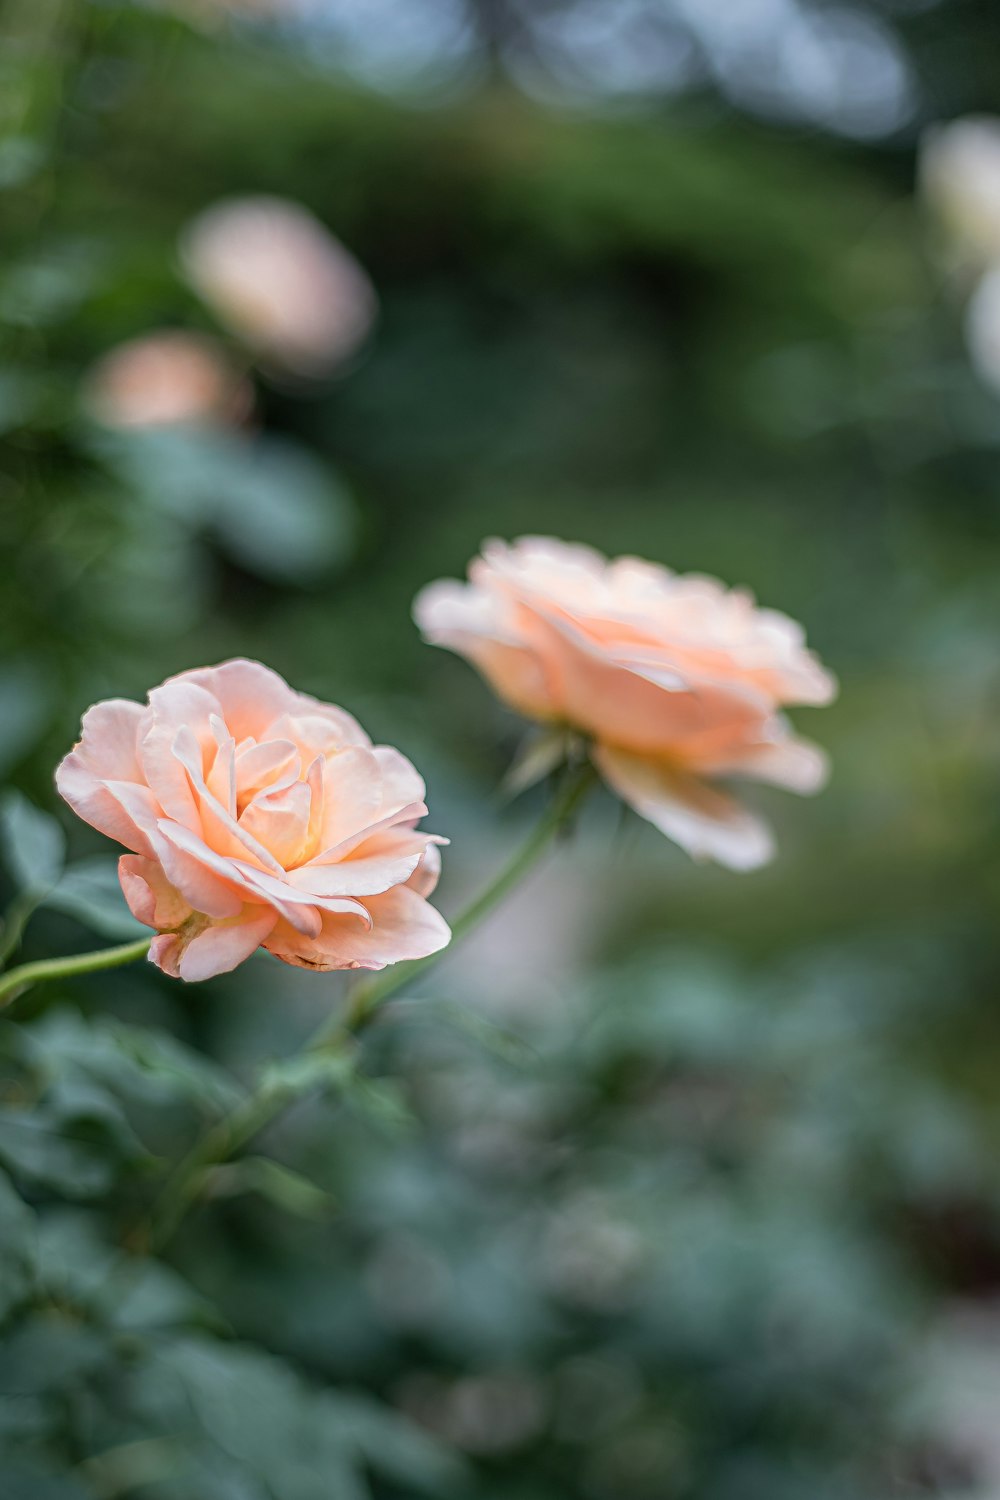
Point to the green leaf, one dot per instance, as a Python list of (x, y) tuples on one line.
[(90, 891), (492, 1039), (130, 1061), (397, 1449), (49, 1352), (17, 1248), (273, 506), (24, 1480), (299, 1075), (382, 1101), (21, 159), (34, 844), (537, 757), (77, 1264), (283, 516), (24, 708), (76, 1139), (254, 1408), (284, 1188)]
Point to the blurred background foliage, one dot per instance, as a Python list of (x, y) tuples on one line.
[(675, 1183)]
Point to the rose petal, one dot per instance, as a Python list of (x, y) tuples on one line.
[(352, 795), (150, 896), (704, 821), (165, 953), (473, 623), (428, 872), (209, 882), (222, 946), (107, 751), (279, 822), (798, 765), (178, 703), (404, 926), (386, 860)]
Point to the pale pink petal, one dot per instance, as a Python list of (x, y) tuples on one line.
[(428, 872), (165, 952), (314, 781), (224, 945), (220, 831), (266, 766), (385, 860), (401, 781), (403, 927), (279, 822), (606, 696), (256, 700), (178, 705), (250, 696), (798, 765), (402, 817), (473, 623), (96, 803), (211, 883), (221, 778), (704, 821), (318, 729), (109, 742), (150, 896), (107, 751), (352, 795)]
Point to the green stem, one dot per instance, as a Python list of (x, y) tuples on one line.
[(265, 1104), (16, 920), (368, 997), (25, 975)]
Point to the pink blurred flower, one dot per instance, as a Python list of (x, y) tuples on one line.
[(676, 680), (258, 817), (280, 282), (164, 378)]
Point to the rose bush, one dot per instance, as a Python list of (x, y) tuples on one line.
[(258, 817), (676, 680)]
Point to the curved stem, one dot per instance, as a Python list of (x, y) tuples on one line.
[(368, 997), (18, 915), (24, 976), (266, 1102)]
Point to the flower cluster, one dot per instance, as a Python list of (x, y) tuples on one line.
[(259, 817)]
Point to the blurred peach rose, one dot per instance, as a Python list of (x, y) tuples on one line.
[(280, 281), (676, 680), (165, 378), (257, 817)]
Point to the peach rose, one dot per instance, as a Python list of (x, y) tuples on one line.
[(257, 817), (165, 378), (675, 680), (280, 281)]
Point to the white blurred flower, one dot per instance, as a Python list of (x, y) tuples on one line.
[(280, 281), (955, 1397), (982, 329), (960, 181), (163, 378)]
